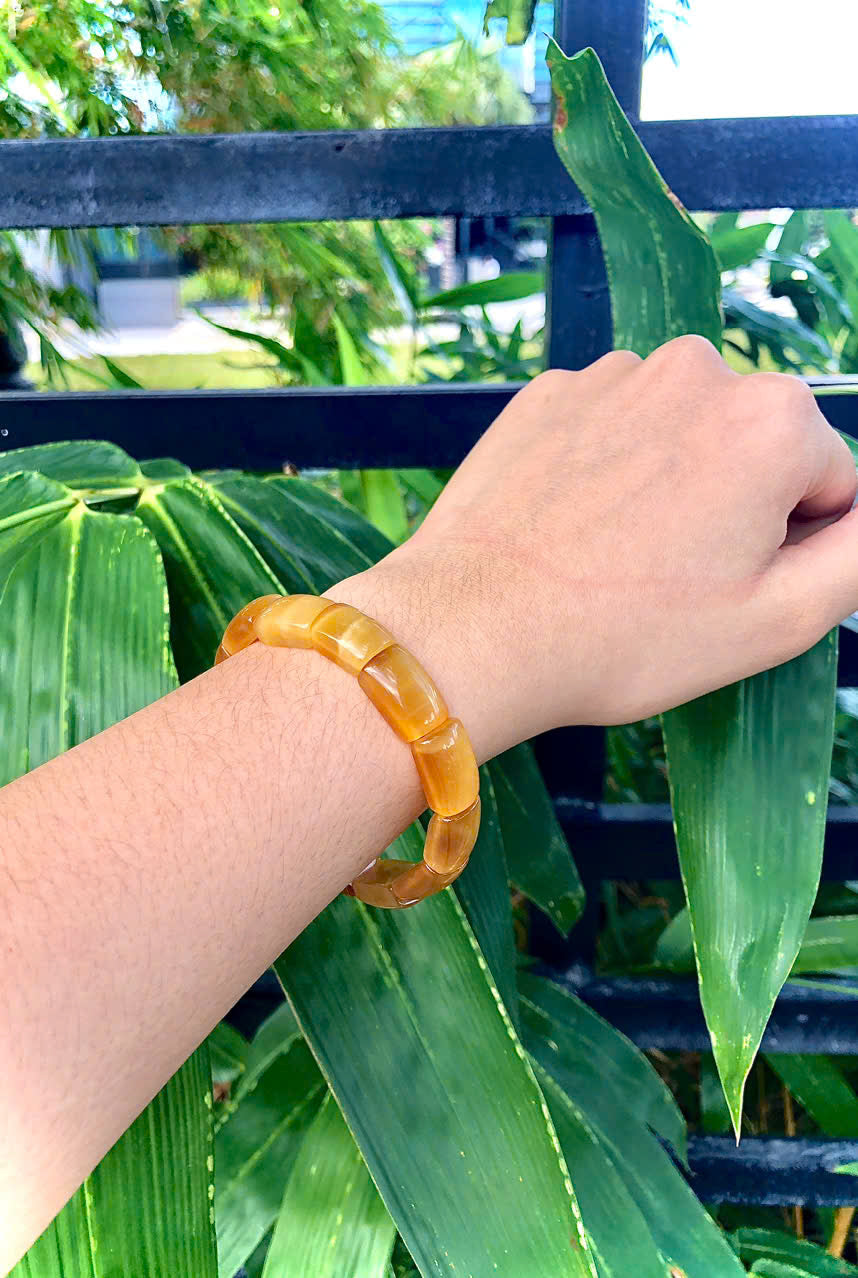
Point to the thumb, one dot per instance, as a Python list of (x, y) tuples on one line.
[(816, 579)]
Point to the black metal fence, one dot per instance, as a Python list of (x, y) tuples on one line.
[(729, 164)]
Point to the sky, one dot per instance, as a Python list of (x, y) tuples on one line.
[(757, 57)]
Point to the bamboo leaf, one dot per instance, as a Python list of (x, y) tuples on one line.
[(505, 288), (755, 1245), (146, 1207), (655, 1217), (538, 858), (483, 890), (255, 1150), (401, 1016), (819, 1085), (740, 245), (384, 503), (332, 1223), (763, 746), (213, 569), (307, 544), (227, 1052), (518, 15), (79, 463)]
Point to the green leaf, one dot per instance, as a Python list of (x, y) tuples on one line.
[(740, 245), (843, 247), (829, 945), (538, 858), (505, 288), (165, 468), (120, 375), (669, 1225), (714, 1114), (332, 1223), (384, 503), (518, 15), (780, 333), (820, 1087), (763, 745), (403, 284), (30, 505), (145, 1209), (756, 1245), (662, 272), (296, 528), (401, 1016), (275, 1037), (791, 242), (254, 1152), (760, 818), (213, 569), (617, 1228), (776, 1269), (227, 1052), (59, 627), (352, 371), (483, 890), (626, 1076), (79, 463)]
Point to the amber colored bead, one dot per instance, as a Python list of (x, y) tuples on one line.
[(220, 655), (450, 840), (240, 632), (447, 767), (348, 637), (418, 882), (402, 691), (373, 887), (287, 624)]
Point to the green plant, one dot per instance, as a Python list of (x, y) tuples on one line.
[(505, 1128)]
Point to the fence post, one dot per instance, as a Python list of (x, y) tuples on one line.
[(579, 330)]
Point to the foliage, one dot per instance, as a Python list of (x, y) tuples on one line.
[(74, 67)]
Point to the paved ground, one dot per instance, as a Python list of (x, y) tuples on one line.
[(193, 336)]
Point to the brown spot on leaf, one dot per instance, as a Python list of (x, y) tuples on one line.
[(676, 1272), (678, 202), (561, 119)]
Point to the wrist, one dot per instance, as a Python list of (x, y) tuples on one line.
[(448, 618)]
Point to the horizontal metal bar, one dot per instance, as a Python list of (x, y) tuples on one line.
[(770, 1171), (665, 1012), (636, 840), (337, 426), (796, 162)]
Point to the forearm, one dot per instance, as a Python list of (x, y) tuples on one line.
[(152, 873)]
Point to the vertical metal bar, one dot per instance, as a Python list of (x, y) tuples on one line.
[(579, 330)]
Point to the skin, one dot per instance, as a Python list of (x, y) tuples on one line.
[(620, 540)]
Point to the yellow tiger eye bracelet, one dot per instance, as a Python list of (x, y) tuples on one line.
[(408, 699)]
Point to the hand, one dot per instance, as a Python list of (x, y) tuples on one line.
[(625, 538)]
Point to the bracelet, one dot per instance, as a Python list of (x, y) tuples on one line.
[(406, 696)]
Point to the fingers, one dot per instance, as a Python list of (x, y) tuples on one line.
[(814, 585), (831, 484)]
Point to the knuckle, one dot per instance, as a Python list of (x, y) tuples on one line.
[(551, 380), (782, 393), (618, 360), (688, 350)]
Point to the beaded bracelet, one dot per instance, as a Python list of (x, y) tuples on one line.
[(406, 696)]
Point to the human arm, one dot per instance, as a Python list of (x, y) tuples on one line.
[(611, 547)]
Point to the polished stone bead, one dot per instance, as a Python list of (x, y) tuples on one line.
[(403, 693), (418, 882), (240, 632), (373, 887), (448, 769), (348, 637), (450, 840), (287, 623)]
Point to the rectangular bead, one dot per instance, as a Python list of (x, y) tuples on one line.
[(403, 693), (419, 882), (287, 623), (448, 769), (373, 887), (450, 840), (240, 632), (348, 637)]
